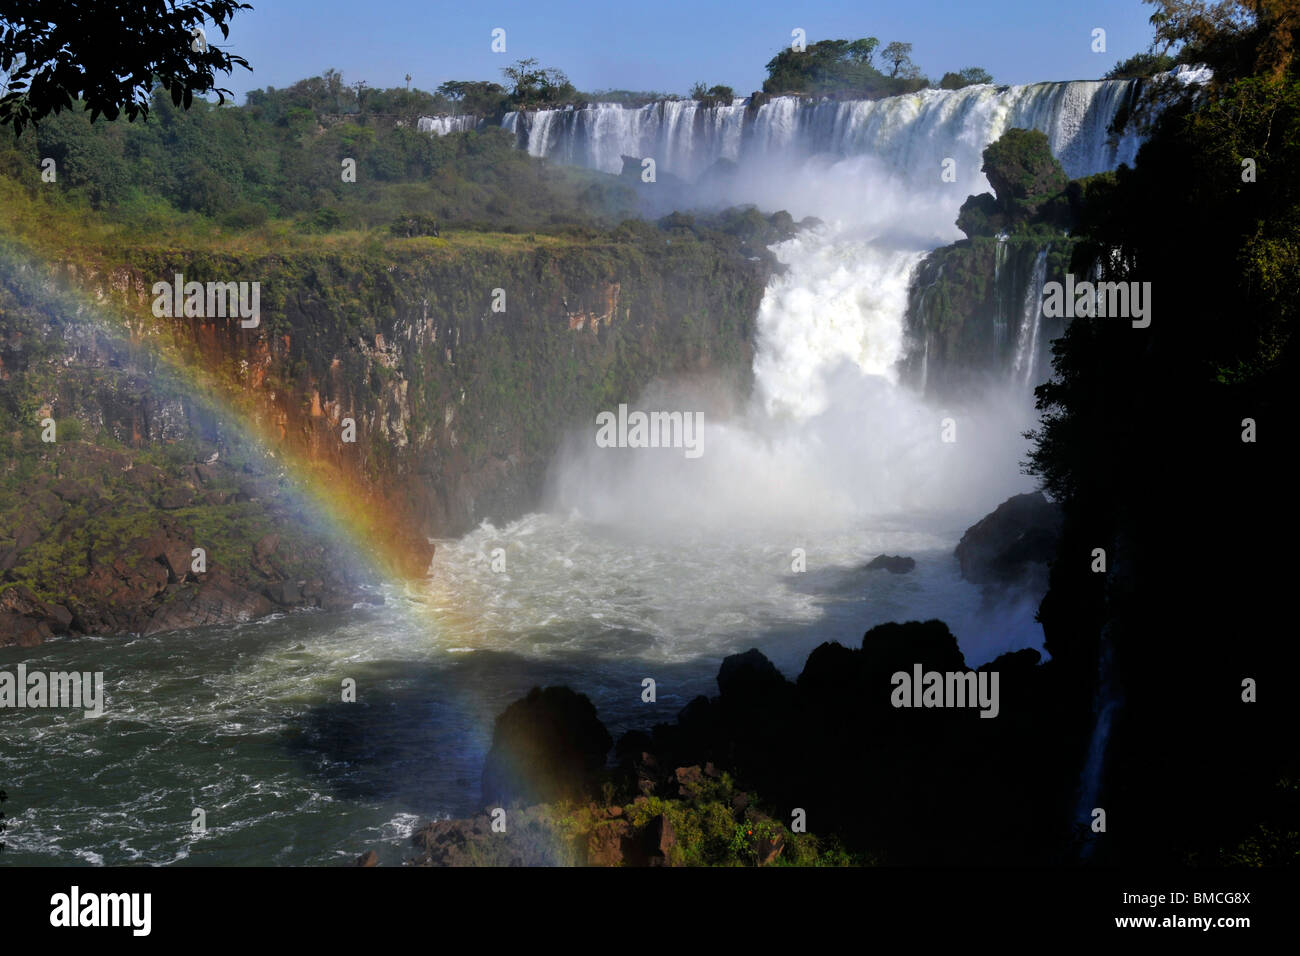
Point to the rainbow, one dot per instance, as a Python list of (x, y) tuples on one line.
[(341, 509)]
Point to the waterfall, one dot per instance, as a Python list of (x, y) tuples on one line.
[(1105, 705), (914, 132), (999, 305), (442, 125), (1022, 368)]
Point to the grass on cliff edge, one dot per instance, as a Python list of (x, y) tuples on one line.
[(59, 228)]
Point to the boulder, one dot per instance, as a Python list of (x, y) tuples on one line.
[(21, 630), (31, 620), (893, 563), (750, 678), (606, 843), (218, 600), (284, 593), (1012, 545), (544, 748)]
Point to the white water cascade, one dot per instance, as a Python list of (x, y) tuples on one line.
[(676, 559), (1031, 321), (686, 138)]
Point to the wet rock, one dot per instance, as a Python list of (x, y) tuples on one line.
[(21, 630), (893, 563), (369, 858), (338, 598), (32, 619), (285, 593), (544, 748), (218, 600), (1013, 544)]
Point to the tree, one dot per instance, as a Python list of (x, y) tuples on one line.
[(537, 86), (970, 76), (862, 50), (1140, 65), (1023, 172), (716, 95), (108, 53), (475, 96), (1235, 37), (837, 67), (1221, 345), (899, 57)]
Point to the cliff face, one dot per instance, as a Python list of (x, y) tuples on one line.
[(968, 309), (461, 364), (457, 405)]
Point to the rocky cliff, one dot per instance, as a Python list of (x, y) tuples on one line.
[(460, 362)]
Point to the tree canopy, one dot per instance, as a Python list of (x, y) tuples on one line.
[(109, 54), (844, 67)]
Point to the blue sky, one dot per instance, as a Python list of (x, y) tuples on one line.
[(663, 45)]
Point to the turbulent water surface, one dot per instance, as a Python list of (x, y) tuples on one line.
[(645, 563)]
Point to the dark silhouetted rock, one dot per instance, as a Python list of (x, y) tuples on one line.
[(544, 747), (893, 563), (750, 677), (1013, 544), (660, 839)]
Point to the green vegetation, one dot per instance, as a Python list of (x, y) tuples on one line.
[(716, 95), (708, 828), (110, 54), (276, 166), (970, 76), (847, 68), (1141, 65), (1028, 188), (1142, 437), (844, 68)]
